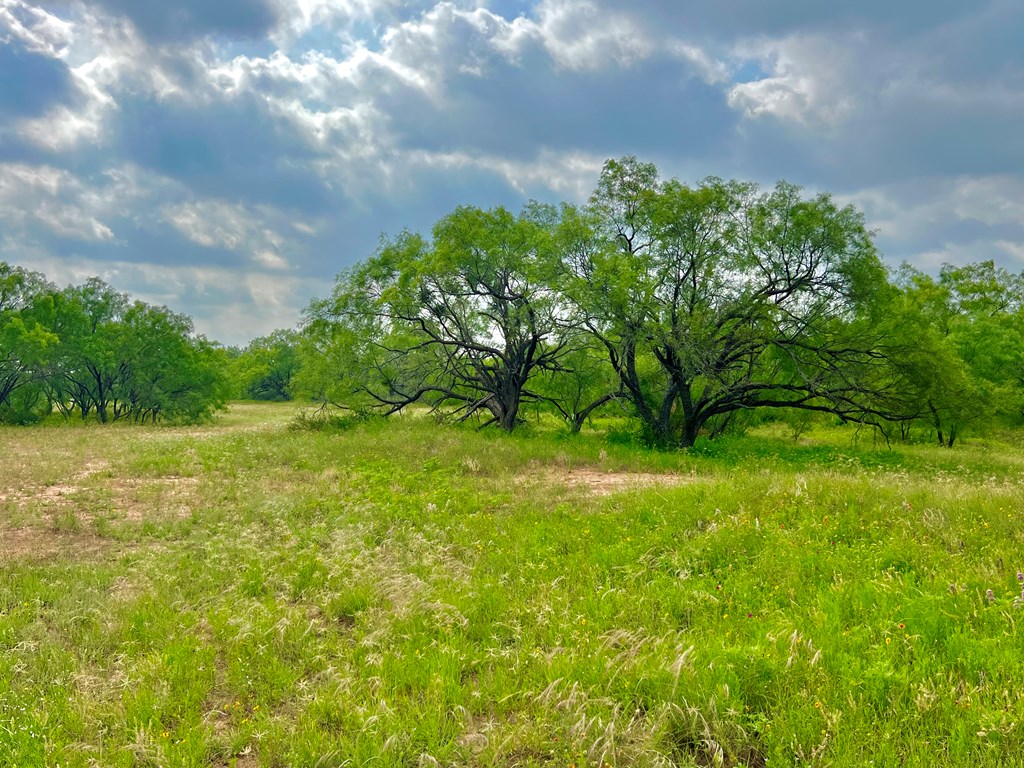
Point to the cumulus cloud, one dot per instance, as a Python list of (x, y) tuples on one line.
[(267, 143)]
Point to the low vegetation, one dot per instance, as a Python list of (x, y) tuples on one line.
[(248, 593)]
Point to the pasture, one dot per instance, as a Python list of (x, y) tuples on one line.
[(407, 594)]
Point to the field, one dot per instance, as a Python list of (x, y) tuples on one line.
[(245, 594)]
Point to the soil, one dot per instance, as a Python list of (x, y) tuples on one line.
[(602, 483)]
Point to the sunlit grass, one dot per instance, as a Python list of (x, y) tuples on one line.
[(403, 593)]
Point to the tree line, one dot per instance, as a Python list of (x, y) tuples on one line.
[(91, 351), (691, 307)]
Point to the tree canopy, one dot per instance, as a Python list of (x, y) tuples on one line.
[(91, 350), (686, 304)]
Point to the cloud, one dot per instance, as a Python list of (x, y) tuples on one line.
[(225, 305), (33, 197), (268, 143), (30, 82), (165, 22), (218, 224)]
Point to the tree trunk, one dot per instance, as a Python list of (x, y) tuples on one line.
[(581, 416), (691, 429)]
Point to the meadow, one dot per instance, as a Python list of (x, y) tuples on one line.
[(406, 594)]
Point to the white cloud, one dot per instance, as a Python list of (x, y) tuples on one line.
[(226, 305), (39, 30), (234, 227), (55, 200), (810, 79)]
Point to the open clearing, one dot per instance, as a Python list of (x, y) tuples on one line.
[(242, 594)]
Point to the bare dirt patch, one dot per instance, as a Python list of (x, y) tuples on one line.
[(601, 483), (41, 544), (133, 499), (137, 499)]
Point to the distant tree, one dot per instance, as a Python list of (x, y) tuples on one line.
[(89, 322), (26, 342), (957, 343), (718, 298), (166, 371), (582, 384), (265, 368)]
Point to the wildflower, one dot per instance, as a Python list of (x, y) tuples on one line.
[(888, 640), (718, 587), (990, 596), (817, 705), (1020, 577), (902, 625), (750, 615)]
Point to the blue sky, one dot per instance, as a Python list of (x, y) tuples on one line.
[(228, 157)]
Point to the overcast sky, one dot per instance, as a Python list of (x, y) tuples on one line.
[(228, 157)]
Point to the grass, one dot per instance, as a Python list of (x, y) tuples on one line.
[(242, 594)]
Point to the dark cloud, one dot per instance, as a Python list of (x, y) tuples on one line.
[(702, 18), (31, 83), (515, 109), (232, 150), (173, 20)]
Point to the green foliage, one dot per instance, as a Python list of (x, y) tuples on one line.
[(91, 349), (264, 370), (464, 323), (689, 304), (27, 343), (718, 298), (957, 346)]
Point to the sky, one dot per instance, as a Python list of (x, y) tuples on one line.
[(228, 158)]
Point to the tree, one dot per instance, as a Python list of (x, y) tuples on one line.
[(265, 368), (89, 324), (718, 298), (165, 370), (959, 346), (26, 341), (463, 323), (119, 359)]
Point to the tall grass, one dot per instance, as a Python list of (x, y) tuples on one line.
[(400, 593)]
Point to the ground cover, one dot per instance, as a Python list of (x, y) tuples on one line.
[(246, 594)]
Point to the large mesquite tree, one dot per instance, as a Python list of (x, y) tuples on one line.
[(462, 323), (718, 297)]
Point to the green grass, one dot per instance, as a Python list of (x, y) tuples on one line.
[(399, 593)]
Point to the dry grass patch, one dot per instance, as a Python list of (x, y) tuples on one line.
[(46, 544), (604, 483)]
